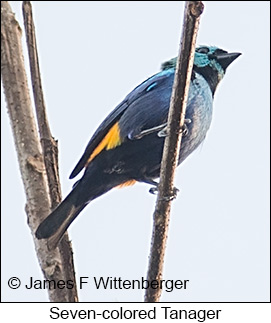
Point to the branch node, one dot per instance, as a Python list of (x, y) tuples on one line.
[(196, 8), (52, 268), (36, 162)]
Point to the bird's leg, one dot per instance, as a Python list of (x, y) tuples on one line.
[(154, 190), (149, 131), (147, 180), (183, 129), (171, 197)]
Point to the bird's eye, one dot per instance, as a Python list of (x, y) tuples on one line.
[(202, 50)]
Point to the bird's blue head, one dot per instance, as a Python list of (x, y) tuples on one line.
[(211, 62)]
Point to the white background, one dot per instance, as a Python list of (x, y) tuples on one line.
[(91, 55)]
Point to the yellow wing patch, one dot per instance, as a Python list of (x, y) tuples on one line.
[(111, 140)]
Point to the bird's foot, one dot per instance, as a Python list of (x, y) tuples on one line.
[(146, 132), (172, 196), (154, 190), (183, 129)]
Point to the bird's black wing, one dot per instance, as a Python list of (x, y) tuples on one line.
[(138, 100), (149, 108), (98, 136)]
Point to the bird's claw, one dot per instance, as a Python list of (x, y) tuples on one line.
[(184, 129), (171, 197), (154, 190), (149, 131), (162, 133)]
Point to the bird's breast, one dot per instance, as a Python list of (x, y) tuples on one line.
[(199, 111)]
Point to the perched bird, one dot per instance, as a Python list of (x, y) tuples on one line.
[(127, 147)]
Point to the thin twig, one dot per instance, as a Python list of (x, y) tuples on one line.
[(193, 10), (49, 145)]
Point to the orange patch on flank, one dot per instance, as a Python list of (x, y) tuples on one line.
[(128, 183), (110, 141)]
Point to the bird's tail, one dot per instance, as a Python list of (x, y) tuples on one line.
[(55, 225)]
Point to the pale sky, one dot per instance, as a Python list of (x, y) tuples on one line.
[(91, 55)]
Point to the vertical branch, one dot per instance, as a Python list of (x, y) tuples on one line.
[(49, 145), (28, 147), (176, 116)]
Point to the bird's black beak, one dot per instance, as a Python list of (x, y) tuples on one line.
[(225, 59)]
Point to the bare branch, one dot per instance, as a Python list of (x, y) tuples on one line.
[(176, 116), (49, 145), (28, 147)]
